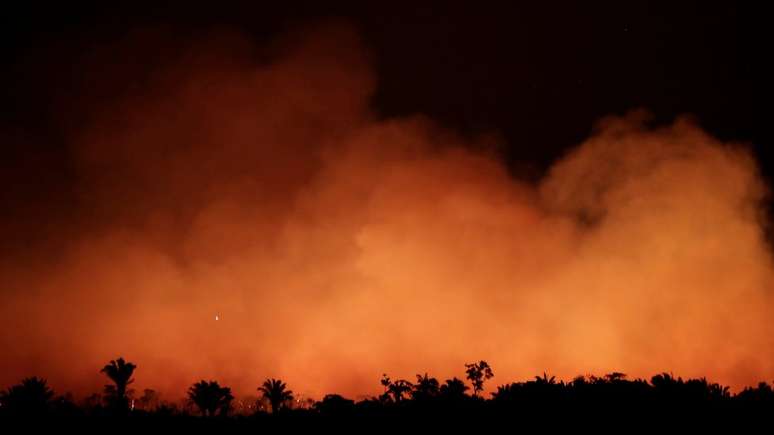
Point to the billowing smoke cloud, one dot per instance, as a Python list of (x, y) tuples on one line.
[(257, 185)]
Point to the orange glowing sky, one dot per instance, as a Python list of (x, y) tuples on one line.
[(335, 245)]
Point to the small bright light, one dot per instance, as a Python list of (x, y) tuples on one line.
[(217, 317)]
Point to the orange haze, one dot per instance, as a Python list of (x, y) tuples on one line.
[(257, 184)]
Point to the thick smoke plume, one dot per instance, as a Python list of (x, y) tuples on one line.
[(257, 184)]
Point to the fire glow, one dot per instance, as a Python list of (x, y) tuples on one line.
[(340, 246)]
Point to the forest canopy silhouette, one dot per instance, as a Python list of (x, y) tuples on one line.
[(427, 404), (243, 213)]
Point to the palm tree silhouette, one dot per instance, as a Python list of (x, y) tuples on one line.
[(545, 380), (31, 397), (120, 372), (276, 392), (210, 398)]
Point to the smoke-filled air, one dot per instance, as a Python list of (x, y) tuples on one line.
[(246, 213)]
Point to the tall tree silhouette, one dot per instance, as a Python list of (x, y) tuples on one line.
[(211, 398), (120, 372), (477, 373), (31, 397), (276, 392)]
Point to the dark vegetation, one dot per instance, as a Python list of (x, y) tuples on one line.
[(611, 402)]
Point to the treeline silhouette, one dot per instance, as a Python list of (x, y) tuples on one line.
[(404, 405)]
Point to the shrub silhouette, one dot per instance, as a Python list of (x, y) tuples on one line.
[(426, 388), (334, 404), (149, 399), (453, 389)]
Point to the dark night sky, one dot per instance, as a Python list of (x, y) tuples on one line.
[(538, 74)]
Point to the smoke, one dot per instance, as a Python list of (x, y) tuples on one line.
[(256, 184)]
